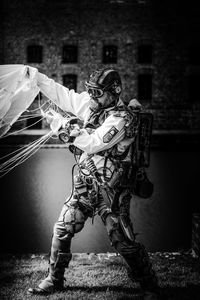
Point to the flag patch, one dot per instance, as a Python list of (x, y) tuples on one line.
[(110, 134)]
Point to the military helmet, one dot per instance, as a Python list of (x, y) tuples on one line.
[(101, 80)]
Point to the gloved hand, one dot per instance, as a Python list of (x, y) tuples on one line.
[(69, 133), (64, 135), (55, 120), (67, 129)]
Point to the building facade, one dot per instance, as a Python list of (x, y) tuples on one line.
[(154, 46)]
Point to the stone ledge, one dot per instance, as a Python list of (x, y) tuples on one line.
[(186, 139), (98, 256)]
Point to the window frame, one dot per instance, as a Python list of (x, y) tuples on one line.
[(72, 54), (105, 58)]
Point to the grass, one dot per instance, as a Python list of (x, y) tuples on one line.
[(100, 276)]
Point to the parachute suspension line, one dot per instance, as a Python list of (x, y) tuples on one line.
[(24, 118), (39, 101), (40, 113), (20, 130), (21, 149), (39, 105), (23, 155), (15, 158)]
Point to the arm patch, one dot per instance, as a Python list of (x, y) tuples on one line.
[(110, 134)]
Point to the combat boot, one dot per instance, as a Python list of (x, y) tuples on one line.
[(52, 283), (149, 286), (55, 279), (140, 269)]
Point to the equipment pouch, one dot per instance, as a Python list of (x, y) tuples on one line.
[(128, 175), (143, 187)]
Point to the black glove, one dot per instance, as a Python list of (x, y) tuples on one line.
[(64, 136)]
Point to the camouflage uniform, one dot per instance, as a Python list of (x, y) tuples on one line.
[(104, 149)]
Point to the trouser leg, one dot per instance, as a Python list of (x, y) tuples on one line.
[(71, 221), (122, 237), (134, 253), (60, 254)]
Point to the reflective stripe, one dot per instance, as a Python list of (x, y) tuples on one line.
[(103, 76)]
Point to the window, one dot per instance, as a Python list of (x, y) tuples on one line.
[(193, 87), (70, 54), (34, 54), (70, 81), (145, 54), (145, 87), (110, 54), (34, 123), (117, 1), (194, 55)]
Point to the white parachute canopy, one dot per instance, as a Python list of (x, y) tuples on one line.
[(18, 89)]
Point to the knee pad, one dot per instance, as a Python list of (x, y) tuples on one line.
[(73, 220), (70, 221)]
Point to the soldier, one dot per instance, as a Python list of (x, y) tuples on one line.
[(102, 136)]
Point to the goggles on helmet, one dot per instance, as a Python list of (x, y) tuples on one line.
[(94, 92)]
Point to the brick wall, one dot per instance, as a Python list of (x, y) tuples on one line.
[(126, 24)]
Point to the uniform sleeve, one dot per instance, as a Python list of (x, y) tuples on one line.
[(67, 100), (106, 136)]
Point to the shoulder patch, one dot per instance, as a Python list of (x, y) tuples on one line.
[(110, 134)]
